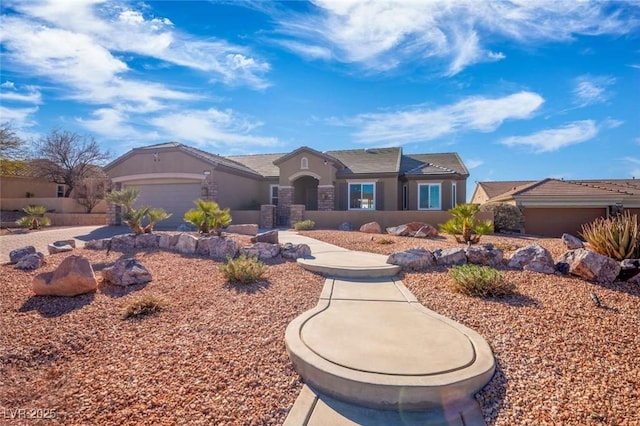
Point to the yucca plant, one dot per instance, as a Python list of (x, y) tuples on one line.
[(35, 217), (208, 216), (463, 225), (617, 236)]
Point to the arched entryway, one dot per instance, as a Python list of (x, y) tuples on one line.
[(305, 191)]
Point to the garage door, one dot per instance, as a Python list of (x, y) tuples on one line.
[(554, 222), (174, 198)]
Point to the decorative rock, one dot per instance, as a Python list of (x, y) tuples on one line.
[(270, 237), (634, 280), (218, 247), (591, 266), (186, 244), (30, 262), (629, 268), (72, 277), (96, 244), (345, 226), (145, 241), (371, 228), (295, 251), (450, 257), (426, 232), (413, 229), (400, 230), (571, 242), (123, 242), (17, 254), (533, 258), (167, 241), (413, 259), (61, 246), (126, 271), (485, 255), (244, 229), (262, 251)]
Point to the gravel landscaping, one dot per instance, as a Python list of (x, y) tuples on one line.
[(561, 360), (214, 355)]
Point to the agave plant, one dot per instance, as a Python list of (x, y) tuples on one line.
[(208, 216), (463, 225), (617, 236), (35, 217)]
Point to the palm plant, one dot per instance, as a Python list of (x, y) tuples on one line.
[(124, 198), (155, 215), (463, 225), (208, 216), (35, 217), (134, 217)]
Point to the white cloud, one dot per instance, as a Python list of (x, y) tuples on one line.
[(591, 90), (8, 85), (472, 164), (111, 123), (554, 139), (20, 118), (32, 94), (383, 35), (422, 124)]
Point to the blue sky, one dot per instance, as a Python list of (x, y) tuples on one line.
[(520, 89)]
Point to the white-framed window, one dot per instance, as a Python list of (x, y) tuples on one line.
[(362, 196), (273, 194), (405, 197), (429, 196), (304, 163), (454, 195), (60, 192)]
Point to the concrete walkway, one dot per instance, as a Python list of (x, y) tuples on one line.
[(370, 354)]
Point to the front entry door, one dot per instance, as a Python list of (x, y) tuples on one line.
[(311, 199)]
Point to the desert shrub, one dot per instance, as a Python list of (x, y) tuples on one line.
[(464, 226), (34, 218), (617, 236), (305, 225), (384, 241), (506, 217), (243, 270), (479, 281), (144, 305)]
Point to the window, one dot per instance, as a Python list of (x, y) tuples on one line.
[(429, 196), (273, 194), (304, 163), (362, 196), (405, 197), (454, 195), (60, 191)]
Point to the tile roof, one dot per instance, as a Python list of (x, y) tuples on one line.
[(573, 188), (432, 164), (495, 188), (217, 159), (260, 163), (369, 161)]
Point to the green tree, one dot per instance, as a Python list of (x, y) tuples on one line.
[(464, 226), (208, 216)]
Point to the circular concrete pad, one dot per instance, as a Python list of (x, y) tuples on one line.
[(350, 264), (386, 338)]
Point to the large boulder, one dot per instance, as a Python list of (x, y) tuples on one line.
[(485, 254), (17, 254), (295, 251), (629, 268), (634, 280), (243, 229), (30, 262), (72, 277), (123, 242), (126, 271), (371, 228), (262, 251), (97, 244), (590, 266), (345, 226), (399, 231), (533, 258), (186, 244), (270, 237), (426, 231), (146, 241), (450, 257), (220, 248), (412, 260), (571, 242)]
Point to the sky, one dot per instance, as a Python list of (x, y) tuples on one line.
[(521, 89)]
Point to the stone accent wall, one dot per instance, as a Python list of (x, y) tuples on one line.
[(285, 199), (267, 216), (326, 197), (209, 189), (114, 212), (296, 213)]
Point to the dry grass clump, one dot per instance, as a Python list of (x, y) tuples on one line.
[(304, 225), (147, 304), (479, 281), (384, 241), (243, 270)]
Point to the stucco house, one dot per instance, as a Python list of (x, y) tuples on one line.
[(172, 175), (554, 206)]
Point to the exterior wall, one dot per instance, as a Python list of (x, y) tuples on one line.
[(238, 192), (331, 220), (77, 219), (17, 187), (291, 169), (633, 211), (445, 192), (267, 216), (240, 217), (479, 196), (386, 192), (167, 161), (553, 222), (59, 205)]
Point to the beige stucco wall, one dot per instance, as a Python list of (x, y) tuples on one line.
[(292, 168), (386, 192), (239, 192), (55, 204), (445, 191), (17, 187), (553, 222), (170, 161)]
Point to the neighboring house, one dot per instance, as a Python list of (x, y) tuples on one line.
[(552, 207), (172, 175), (19, 180)]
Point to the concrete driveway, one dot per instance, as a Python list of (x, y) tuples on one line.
[(40, 239)]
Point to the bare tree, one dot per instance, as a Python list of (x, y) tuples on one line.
[(89, 192), (68, 158), (11, 145)]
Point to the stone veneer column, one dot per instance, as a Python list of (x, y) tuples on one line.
[(285, 200), (210, 188), (296, 213), (326, 197), (114, 212), (267, 216)]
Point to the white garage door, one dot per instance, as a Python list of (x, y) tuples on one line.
[(174, 198)]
